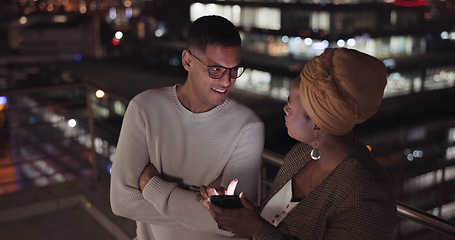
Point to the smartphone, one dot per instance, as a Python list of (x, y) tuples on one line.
[(226, 201)]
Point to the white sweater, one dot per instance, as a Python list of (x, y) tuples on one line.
[(193, 149)]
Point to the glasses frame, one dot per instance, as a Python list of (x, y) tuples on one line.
[(209, 67)]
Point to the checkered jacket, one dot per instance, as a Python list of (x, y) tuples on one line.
[(353, 202)]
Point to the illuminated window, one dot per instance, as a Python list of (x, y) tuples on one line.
[(258, 17), (450, 153), (399, 84), (451, 135), (268, 18), (320, 20), (439, 77), (119, 108)]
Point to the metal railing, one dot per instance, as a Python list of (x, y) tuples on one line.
[(405, 211), (428, 220)]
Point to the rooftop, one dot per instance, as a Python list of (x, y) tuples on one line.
[(73, 210)]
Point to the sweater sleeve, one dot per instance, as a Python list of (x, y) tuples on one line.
[(245, 161), (130, 159), (181, 205)]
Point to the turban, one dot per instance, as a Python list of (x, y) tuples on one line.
[(341, 88)]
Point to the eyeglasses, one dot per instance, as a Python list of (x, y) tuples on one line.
[(218, 72)]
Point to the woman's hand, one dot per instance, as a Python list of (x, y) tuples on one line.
[(241, 221)]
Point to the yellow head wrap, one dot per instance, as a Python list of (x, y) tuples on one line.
[(341, 88)]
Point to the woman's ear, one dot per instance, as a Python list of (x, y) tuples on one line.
[(186, 59)]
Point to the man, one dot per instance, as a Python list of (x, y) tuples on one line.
[(187, 135)]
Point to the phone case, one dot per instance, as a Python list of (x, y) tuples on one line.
[(226, 201)]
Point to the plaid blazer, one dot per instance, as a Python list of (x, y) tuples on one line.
[(354, 201)]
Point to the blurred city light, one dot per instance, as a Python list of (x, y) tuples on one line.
[(31, 120), (115, 41), (128, 12), (341, 43), (60, 19), (119, 35), (410, 157), (50, 8), (308, 41), (445, 35), (127, 3), (319, 45), (3, 100), (326, 43), (174, 61), (82, 7), (23, 20), (159, 33), (450, 153), (390, 63), (72, 123), (112, 13), (451, 135), (99, 93), (417, 153)]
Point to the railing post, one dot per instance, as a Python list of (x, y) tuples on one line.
[(92, 132)]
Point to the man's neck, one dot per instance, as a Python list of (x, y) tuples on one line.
[(189, 102)]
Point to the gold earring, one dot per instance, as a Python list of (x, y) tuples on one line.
[(315, 154)]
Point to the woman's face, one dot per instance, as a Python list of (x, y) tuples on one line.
[(299, 124)]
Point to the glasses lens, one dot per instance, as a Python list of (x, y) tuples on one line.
[(217, 72)]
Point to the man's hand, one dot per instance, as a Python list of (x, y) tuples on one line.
[(147, 174)]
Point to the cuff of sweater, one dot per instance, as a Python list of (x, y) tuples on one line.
[(157, 192)]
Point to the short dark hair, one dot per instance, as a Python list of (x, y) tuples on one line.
[(212, 30)]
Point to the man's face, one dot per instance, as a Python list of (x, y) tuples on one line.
[(207, 92)]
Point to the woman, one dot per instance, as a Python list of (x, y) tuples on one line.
[(330, 186)]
